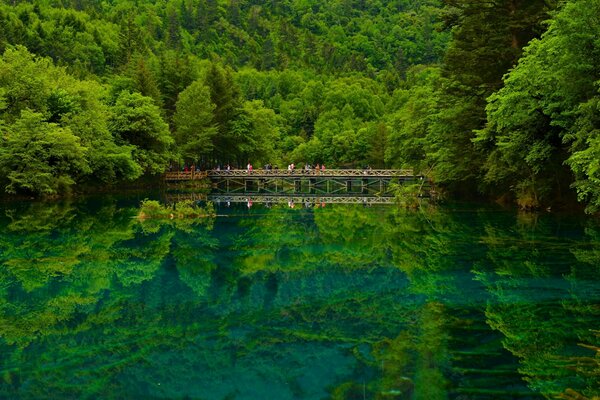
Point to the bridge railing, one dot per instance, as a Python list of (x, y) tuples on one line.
[(184, 175), (263, 173), (311, 172)]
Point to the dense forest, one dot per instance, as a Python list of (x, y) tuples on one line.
[(498, 98)]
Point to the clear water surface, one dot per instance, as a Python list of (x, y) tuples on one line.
[(334, 302)]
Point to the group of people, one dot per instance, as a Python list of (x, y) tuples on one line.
[(290, 167), (308, 167), (185, 168), (250, 167)]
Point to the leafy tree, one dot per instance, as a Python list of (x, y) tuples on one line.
[(40, 157), (265, 128), (408, 142), (487, 39), (225, 95), (76, 106), (194, 122), (109, 162), (176, 72), (546, 115), (136, 121)]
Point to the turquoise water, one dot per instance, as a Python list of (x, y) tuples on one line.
[(334, 302)]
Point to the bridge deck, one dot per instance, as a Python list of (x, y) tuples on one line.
[(297, 174)]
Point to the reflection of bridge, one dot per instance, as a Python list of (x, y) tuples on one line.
[(281, 198), (314, 181)]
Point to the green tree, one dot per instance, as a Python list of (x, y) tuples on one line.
[(264, 132), (487, 39), (194, 128), (40, 157), (136, 121), (109, 162), (408, 141), (547, 114), (225, 95)]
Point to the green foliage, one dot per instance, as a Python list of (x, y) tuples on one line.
[(330, 67), (194, 122), (408, 195), (225, 95), (136, 121), (66, 118), (487, 39), (264, 133), (38, 157), (347, 83), (181, 209), (410, 123), (546, 116)]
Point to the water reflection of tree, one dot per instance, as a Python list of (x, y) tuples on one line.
[(49, 267), (543, 302), (387, 295), (72, 280), (330, 271)]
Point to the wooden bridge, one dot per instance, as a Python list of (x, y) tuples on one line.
[(313, 181), (284, 173)]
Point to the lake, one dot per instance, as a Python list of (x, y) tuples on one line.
[(297, 301)]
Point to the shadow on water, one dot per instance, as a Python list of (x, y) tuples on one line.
[(342, 301)]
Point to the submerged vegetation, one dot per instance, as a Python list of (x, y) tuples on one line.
[(496, 98)]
